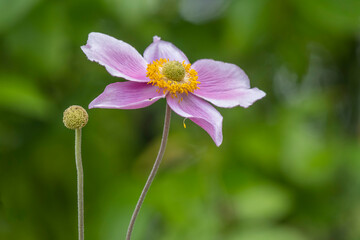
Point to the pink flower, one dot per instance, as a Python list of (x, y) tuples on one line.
[(165, 72)]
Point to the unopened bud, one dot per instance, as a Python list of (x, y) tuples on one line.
[(75, 117)]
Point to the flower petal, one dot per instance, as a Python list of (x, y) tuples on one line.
[(200, 112), (119, 58), (224, 84), (127, 95), (162, 49)]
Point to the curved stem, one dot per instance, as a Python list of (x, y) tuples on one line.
[(80, 183), (153, 171)]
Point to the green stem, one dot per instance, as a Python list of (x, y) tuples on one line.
[(80, 183), (153, 171)]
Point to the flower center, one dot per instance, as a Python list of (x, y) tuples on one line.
[(172, 76), (173, 70)]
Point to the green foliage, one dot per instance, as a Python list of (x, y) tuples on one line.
[(288, 168)]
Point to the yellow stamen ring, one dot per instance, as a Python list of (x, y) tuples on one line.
[(160, 78)]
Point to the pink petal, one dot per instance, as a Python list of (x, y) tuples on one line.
[(224, 84), (162, 49), (127, 95), (119, 58), (201, 113)]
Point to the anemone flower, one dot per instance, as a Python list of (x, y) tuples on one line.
[(165, 72)]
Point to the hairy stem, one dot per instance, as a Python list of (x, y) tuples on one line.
[(153, 171), (80, 183)]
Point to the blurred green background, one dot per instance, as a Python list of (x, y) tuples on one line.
[(288, 168)]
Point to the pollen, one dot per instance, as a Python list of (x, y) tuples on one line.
[(172, 77)]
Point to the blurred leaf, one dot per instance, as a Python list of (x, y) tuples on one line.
[(267, 233), (41, 45), (132, 12), (201, 11), (307, 156), (12, 11), (264, 202), (21, 95), (245, 23), (333, 15)]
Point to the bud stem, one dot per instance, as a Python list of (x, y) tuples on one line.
[(153, 171), (80, 183)]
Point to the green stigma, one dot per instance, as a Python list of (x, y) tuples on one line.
[(173, 70)]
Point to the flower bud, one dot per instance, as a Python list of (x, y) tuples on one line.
[(75, 117)]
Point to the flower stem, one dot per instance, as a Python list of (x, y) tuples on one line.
[(153, 171), (80, 183)]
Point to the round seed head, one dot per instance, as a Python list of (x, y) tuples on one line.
[(75, 117)]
